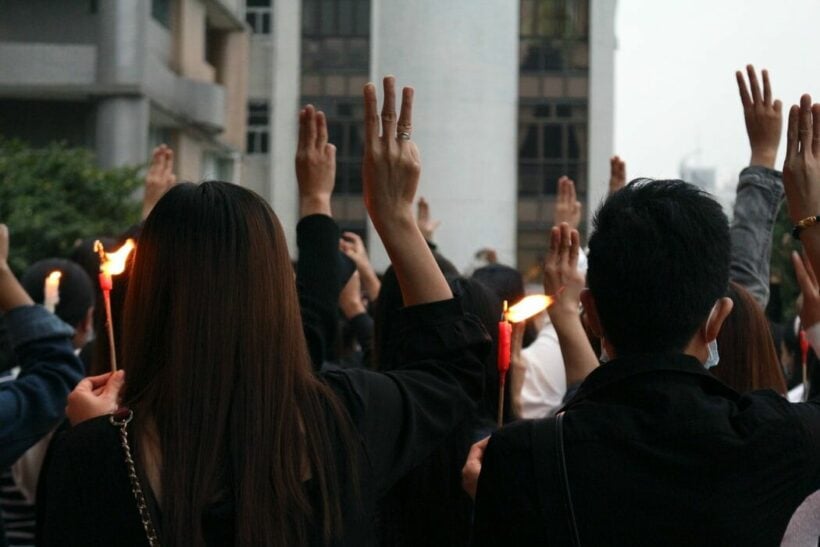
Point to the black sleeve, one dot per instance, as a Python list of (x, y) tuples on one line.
[(404, 414), (362, 326), (318, 281), (506, 506)]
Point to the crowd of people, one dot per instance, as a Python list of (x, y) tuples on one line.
[(260, 401)]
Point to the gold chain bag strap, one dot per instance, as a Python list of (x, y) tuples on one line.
[(120, 419)]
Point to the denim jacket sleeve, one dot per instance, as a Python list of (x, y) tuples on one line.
[(35, 402), (759, 195)]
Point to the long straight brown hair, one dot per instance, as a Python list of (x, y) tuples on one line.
[(216, 358), (748, 359)]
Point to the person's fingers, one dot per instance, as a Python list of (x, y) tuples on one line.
[(571, 195), (98, 381), (422, 209), (114, 385), (574, 249), (563, 195), (791, 133), (4, 242), (566, 243), (168, 174), (321, 130), (371, 116), (815, 122), (804, 132), (767, 87), (406, 116), (310, 126), (352, 236), (555, 241), (745, 99), (754, 85), (389, 109)]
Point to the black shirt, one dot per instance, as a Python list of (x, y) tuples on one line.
[(658, 452)]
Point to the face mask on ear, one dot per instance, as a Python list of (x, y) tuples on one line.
[(714, 357)]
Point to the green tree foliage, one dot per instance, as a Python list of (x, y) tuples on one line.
[(51, 197)]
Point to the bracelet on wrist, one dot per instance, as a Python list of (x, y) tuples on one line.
[(807, 222)]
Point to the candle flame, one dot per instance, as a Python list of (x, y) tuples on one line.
[(528, 307), (54, 278), (114, 263)]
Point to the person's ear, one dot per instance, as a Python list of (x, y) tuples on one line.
[(591, 312), (721, 310)]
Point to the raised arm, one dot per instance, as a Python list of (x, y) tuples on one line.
[(318, 272), (390, 173), (33, 403), (801, 174), (760, 190), (159, 179), (562, 279)]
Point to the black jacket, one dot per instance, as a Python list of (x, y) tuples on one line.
[(658, 453)]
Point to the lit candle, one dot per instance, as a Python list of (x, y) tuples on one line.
[(111, 264), (527, 307), (51, 290)]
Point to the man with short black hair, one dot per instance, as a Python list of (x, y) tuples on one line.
[(653, 449)]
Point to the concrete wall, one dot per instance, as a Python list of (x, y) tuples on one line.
[(232, 73), (465, 119), (601, 134), (284, 106)]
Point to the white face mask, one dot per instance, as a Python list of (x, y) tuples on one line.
[(714, 357)]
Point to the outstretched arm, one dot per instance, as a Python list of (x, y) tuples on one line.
[(760, 189), (562, 279), (801, 172), (390, 173)]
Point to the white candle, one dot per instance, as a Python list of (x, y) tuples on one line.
[(52, 290)]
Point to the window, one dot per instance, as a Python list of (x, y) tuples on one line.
[(161, 11), (258, 14), (258, 127)]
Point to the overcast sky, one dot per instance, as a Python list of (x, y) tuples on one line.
[(675, 83)]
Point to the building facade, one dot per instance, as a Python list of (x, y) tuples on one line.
[(563, 58), (123, 76)]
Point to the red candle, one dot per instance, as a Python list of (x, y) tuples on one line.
[(504, 338)]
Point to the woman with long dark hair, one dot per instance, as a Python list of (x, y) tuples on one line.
[(235, 440)]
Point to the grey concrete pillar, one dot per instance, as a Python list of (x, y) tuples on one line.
[(284, 122), (461, 56), (602, 45), (123, 115)]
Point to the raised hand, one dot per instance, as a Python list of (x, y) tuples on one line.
[(810, 312), (95, 396), (617, 174), (801, 170), (350, 299), (390, 175), (425, 223), (315, 163), (12, 293), (159, 179), (353, 246), (567, 207), (764, 119), (561, 276), (391, 166)]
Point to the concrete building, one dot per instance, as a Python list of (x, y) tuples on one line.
[(510, 96), (121, 76)]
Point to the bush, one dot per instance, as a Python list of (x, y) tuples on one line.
[(51, 197)]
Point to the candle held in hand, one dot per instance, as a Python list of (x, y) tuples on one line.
[(111, 264), (51, 290)]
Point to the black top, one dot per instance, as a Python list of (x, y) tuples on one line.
[(399, 418), (658, 452)]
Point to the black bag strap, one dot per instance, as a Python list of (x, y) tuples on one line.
[(548, 454)]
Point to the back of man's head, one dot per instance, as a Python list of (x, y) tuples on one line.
[(75, 290), (658, 261)]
